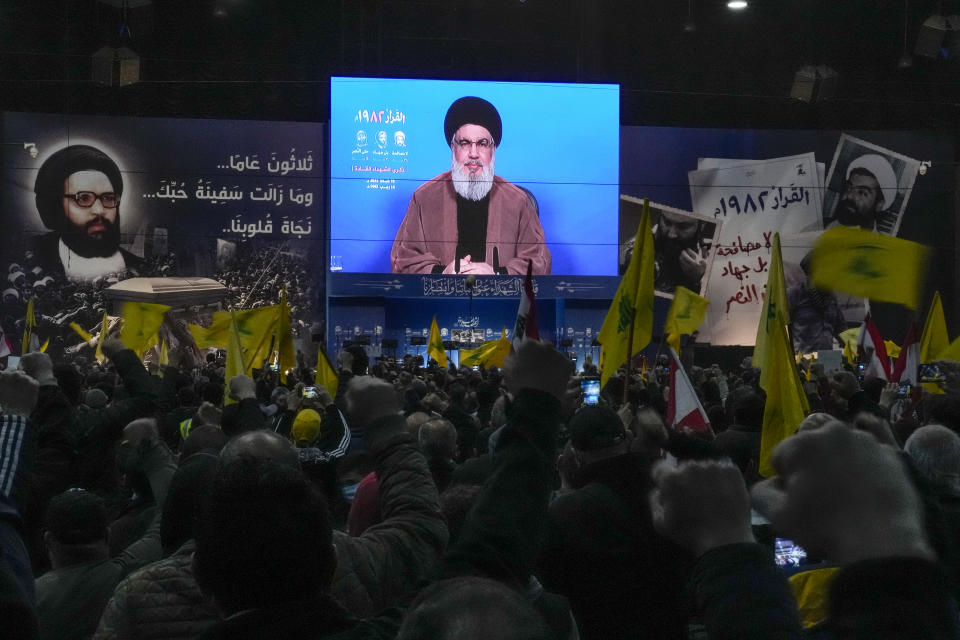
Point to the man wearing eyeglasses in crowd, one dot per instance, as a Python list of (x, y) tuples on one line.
[(78, 192), (468, 220)]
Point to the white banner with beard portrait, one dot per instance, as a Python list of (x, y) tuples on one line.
[(754, 200)]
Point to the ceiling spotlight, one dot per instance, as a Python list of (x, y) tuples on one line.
[(737, 5)]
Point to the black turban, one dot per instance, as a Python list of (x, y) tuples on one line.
[(59, 167), (473, 110)]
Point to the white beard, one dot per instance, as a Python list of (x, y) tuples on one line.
[(472, 186)]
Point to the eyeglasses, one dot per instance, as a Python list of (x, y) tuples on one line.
[(482, 143), (86, 198)]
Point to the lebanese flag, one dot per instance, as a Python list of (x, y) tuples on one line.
[(870, 344), (526, 326), (5, 349), (905, 370), (684, 411)]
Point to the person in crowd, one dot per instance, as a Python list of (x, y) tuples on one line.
[(468, 220), (72, 595)]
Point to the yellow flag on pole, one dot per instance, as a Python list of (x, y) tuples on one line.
[(935, 338), (786, 404), (869, 265), (491, 353), (141, 324), (687, 312), (326, 374), (774, 313), (104, 329), (255, 326), (435, 348), (29, 325), (236, 359), (287, 355), (632, 306)]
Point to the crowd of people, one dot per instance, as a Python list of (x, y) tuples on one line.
[(59, 301), (428, 502)]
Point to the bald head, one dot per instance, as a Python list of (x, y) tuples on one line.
[(262, 445)]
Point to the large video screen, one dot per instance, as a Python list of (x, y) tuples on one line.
[(431, 176)]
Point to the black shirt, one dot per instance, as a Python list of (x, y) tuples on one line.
[(472, 228)]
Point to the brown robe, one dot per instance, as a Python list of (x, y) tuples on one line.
[(427, 237)]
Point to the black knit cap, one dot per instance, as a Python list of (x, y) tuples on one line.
[(473, 110), (596, 427), (77, 516), (60, 166)]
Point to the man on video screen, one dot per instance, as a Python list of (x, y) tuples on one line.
[(468, 220)]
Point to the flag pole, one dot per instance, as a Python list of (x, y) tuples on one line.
[(626, 382)]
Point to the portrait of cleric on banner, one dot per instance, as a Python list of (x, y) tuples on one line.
[(521, 172), (78, 192)]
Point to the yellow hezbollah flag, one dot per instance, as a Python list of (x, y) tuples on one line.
[(141, 322), (164, 358), (435, 345), (934, 339), (687, 312), (236, 359), (29, 325), (287, 357), (870, 265), (490, 354), (631, 311), (326, 374), (104, 330), (774, 313), (850, 338), (892, 348), (86, 337), (786, 405), (255, 326)]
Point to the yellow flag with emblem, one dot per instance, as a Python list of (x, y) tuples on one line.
[(326, 375), (237, 361), (256, 328), (774, 313), (870, 265), (141, 325), (632, 308), (491, 353), (786, 404), (435, 348), (687, 312)]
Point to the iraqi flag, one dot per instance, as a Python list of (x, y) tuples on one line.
[(684, 411), (870, 345), (526, 326)]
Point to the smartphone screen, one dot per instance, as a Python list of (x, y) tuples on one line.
[(591, 390), (788, 554), (309, 392)]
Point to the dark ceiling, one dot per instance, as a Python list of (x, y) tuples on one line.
[(271, 60)]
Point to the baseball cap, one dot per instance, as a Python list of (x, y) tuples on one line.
[(596, 427)]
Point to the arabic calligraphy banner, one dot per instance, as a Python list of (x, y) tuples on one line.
[(238, 201)]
